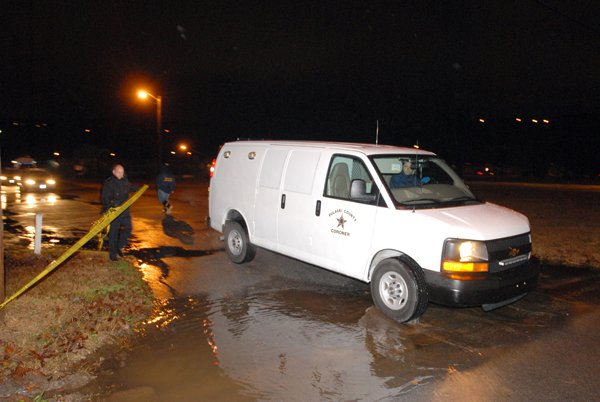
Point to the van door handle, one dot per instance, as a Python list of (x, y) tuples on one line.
[(318, 208), (282, 201)]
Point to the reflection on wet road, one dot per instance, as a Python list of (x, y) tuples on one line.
[(281, 340), (65, 220), (155, 256)]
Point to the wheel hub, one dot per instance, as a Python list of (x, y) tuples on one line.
[(235, 243), (393, 290)]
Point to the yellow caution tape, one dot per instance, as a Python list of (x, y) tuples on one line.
[(100, 224), (103, 233)]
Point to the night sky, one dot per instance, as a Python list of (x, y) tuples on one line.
[(323, 70)]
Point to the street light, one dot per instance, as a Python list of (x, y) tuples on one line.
[(188, 150), (142, 94)]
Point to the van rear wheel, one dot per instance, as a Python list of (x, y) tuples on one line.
[(399, 290), (237, 244)]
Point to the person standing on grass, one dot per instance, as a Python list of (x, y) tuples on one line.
[(115, 191), (165, 185)]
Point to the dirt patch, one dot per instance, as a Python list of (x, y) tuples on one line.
[(51, 332), (565, 224)]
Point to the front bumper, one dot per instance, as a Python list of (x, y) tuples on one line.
[(482, 288), (37, 187)]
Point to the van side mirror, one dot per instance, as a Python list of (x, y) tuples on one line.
[(358, 191)]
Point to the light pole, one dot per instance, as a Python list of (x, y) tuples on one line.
[(142, 94), (189, 164)]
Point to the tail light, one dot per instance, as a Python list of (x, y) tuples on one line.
[(212, 167)]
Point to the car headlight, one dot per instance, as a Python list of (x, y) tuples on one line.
[(17, 177), (30, 182), (465, 256), (3, 177), (51, 182)]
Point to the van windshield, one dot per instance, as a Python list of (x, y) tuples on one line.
[(422, 181)]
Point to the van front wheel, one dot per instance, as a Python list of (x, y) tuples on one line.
[(399, 290), (237, 244)]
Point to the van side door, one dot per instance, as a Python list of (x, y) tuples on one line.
[(343, 236), (297, 216), (268, 196)]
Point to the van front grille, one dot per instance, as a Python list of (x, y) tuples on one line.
[(509, 252)]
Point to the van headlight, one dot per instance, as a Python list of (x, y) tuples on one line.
[(465, 256), (51, 182), (30, 182)]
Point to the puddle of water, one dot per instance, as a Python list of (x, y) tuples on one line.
[(155, 270), (49, 204), (276, 346), (279, 341), (50, 236), (153, 256)]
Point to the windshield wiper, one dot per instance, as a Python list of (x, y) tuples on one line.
[(437, 201), (462, 198), (411, 202)]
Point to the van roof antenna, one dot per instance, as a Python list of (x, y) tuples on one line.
[(418, 171), (377, 134)]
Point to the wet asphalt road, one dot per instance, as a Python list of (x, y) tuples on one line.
[(278, 329)]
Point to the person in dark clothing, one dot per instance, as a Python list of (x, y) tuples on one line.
[(165, 184), (407, 177), (115, 191)]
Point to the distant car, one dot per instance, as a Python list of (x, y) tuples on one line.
[(478, 170), (30, 179), (9, 178)]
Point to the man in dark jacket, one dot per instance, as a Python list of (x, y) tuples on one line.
[(165, 183), (115, 191)]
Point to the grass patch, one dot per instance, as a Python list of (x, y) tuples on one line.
[(86, 303)]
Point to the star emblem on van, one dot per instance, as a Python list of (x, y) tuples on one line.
[(341, 221)]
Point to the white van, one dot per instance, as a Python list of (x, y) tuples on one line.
[(399, 218)]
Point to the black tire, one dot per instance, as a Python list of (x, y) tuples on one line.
[(399, 290), (237, 244)]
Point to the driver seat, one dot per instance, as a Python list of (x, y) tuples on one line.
[(339, 181)]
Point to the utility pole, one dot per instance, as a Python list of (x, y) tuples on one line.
[(159, 132), (2, 282), (143, 94)]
